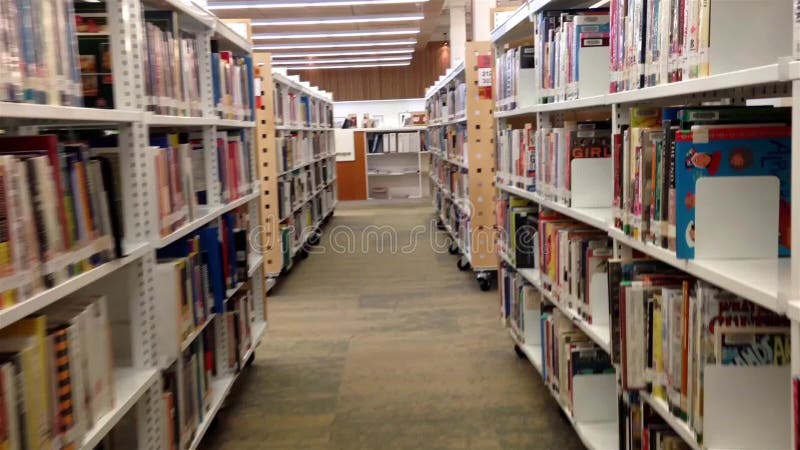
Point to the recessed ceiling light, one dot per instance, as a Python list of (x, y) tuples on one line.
[(334, 34), (339, 60), (340, 44), (347, 66), (343, 53), (305, 4), (337, 20)]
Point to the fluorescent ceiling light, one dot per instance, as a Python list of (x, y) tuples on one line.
[(340, 44), (337, 20), (343, 53), (340, 60), (599, 4), (334, 34), (347, 66), (305, 4)]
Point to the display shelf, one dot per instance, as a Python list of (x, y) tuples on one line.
[(187, 341), (598, 435), (532, 352), (231, 39), (301, 128), (679, 426), (129, 386), (600, 334), (761, 281), (230, 123), (454, 162), (67, 113), (516, 26), (257, 330), (204, 219), (295, 83), (394, 153), (178, 121), (35, 303), (221, 387), (451, 120), (306, 164), (391, 174), (254, 262), (451, 74), (392, 129)]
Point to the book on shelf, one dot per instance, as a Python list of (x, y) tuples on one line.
[(57, 200), (56, 374), (39, 53), (515, 77), (172, 164), (672, 327), (658, 160), (572, 53), (94, 50), (172, 72), (232, 82), (557, 148), (516, 154), (641, 428)]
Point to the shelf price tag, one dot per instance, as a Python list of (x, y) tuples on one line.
[(485, 77)]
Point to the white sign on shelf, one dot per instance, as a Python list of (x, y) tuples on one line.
[(345, 146)]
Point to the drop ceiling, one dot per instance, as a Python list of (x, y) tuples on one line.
[(366, 34)]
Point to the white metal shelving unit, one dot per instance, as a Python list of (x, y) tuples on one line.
[(323, 192), (773, 283), (137, 382), (470, 221), (400, 172)]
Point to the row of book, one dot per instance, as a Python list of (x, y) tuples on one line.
[(643, 428), (56, 375), (295, 190), (232, 81), (300, 147), (39, 60), (172, 72), (299, 109), (558, 148), (454, 140), (516, 153), (179, 162), (515, 78), (394, 142), (667, 328), (60, 214), (658, 42), (219, 351), (518, 222), (449, 103), (572, 48), (451, 178), (654, 194), (94, 48)]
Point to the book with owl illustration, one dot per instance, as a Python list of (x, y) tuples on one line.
[(729, 150)]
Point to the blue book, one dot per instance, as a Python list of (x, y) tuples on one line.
[(306, 101), (728, 152), (215, 78), (209, 243)]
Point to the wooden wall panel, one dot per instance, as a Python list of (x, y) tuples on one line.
[(383, 83), (352, 175)]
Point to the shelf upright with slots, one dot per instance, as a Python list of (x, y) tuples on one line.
[(731, 419), (384, 164), (460, 107), (292, 220), (129, 283)]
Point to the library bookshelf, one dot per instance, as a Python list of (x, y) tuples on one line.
[(152, 365), (297, 166), (526, 115), (395, 165), (460, 135)]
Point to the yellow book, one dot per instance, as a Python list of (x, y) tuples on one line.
[(27, 338)]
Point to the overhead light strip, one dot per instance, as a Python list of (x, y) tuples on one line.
[(339, 60), (340, 44), (343, 53), (335, 34), (347, 66), (336, 20), (305, 4)]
